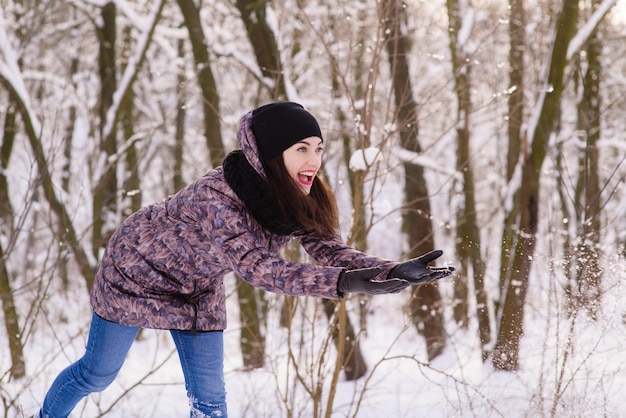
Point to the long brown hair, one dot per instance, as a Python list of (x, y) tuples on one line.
[(316, 211)]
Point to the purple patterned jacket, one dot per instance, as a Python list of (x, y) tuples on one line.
[(164, 266)]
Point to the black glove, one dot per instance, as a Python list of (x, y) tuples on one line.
[(416, 270), (360, 281)]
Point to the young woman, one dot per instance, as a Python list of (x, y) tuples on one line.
[(164, 267)]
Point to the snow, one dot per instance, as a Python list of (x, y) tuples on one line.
[(585, 32), (570, 366), (363, 158), (9, 71), (467, 13), (584, 360), (133, 62)]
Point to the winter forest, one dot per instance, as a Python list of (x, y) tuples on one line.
[(491, 129)]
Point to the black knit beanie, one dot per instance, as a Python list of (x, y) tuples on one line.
[(277, 126)]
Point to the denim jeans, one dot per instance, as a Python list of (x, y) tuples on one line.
[(201, 356)]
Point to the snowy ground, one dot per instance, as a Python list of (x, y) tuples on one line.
[(576, 371)]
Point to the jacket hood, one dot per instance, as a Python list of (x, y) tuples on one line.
[(244, 173), (248, 145)]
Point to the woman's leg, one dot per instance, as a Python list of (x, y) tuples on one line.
[(106, 351), (202, 358)]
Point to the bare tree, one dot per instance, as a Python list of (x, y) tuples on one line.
[(515, 101), (132, 184), (11, 318), (372, 83), (468, 242), (260, 34), (32, 129), (506, 351), (114, 102), (588, 194), (181, 115), (206, 80), (547, 112), (354, 363), (425, 305), (105, 190)]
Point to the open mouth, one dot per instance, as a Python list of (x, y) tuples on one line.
[(306, 177)]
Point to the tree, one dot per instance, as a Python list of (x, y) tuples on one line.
[(361, 109), (425, 305), (105, 190), (11, 78), (506, 351), (114, 103), (468, 242), (588, 198), (413, 83), (260, 34), (206, 80), (11, 318), (547, 111), (515, 111)]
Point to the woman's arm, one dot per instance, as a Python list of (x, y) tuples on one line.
[(249, 252), (332, 251)]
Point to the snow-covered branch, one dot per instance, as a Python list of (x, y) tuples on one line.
[(585, 32), (411, 157), (133, 66), (10, 73)]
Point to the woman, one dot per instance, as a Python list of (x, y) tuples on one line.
[(164, 267)]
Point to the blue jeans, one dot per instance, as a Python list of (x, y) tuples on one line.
[(201, 356)]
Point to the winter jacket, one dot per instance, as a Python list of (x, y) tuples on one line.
[(164, 266)]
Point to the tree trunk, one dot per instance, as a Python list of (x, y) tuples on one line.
[(181, 115), (359, 229), (506, 352), (132, 188), (66, 172), (251, 339), (353, 363), (6, 149), (587, 197), (517, 36), (206, 81), (460, 71), (263, 42), (351, 359), (468, 235), (105, 191), (425, 304), (11, 318)]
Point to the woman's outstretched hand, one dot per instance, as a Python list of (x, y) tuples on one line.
[(416, 271), (360, 281)]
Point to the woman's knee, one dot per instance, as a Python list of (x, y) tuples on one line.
[(91, 378)]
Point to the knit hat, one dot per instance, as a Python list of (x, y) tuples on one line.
[(277, 126)]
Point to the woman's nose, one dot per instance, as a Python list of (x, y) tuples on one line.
[(315, 158)]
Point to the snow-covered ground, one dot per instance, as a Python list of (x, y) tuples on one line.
[(572, 367)]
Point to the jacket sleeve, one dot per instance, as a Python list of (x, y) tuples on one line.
[(332, 251), (247, 249)]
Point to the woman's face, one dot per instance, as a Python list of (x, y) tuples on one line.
[(303, 160)]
